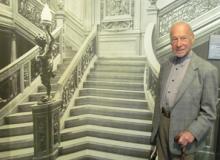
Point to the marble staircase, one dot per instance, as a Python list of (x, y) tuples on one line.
[(110, 119)]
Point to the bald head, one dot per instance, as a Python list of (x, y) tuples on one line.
[(181, 38), (182, 24)]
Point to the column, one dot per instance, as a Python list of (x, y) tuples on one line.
[(60, 16), (13, 57)]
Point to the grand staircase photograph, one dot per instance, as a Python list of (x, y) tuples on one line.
[(106, 57)]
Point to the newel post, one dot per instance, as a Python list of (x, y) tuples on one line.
[(46, 119)]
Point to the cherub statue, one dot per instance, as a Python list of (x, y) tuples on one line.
[(45, 59)]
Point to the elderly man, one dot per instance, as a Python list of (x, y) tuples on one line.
[(185, 107)]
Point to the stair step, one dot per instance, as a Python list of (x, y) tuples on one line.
[(19, 154), (111, 111), (26, 105), (112, 93), (122, 63), (16, 142), (25, 108), (116, 74), (89, 154), (113, 68), (105, 145), (113, 102), (42, 88), (38, 96), (114, 85), (117, 77), (136, 58), (20, 117), (134, 136), (107, 121), (16, 129)]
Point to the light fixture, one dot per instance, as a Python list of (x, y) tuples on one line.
[(46, 16)]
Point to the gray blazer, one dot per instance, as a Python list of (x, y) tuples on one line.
[(194, 109)]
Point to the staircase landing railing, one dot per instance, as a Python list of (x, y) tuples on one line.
[(23, 71)]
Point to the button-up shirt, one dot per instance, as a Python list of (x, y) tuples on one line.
[(175, 78)]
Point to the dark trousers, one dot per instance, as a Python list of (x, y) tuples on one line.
[(163, 142)]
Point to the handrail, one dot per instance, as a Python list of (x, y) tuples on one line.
[(152, 68), (149, 51), (70, 79)]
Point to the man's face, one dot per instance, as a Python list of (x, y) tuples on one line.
[(181, 39)]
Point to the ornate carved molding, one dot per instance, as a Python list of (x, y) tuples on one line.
[(117, 15), (187, 11)]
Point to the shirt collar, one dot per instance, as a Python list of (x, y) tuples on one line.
[(182, 60)]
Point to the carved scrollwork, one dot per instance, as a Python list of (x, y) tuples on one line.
[(187, 12), (56, 129), (41, 134), (117, 15)]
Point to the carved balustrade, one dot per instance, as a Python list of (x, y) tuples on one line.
[(186, 10)]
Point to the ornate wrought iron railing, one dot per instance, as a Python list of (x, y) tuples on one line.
[(72, 76), (186, 10)]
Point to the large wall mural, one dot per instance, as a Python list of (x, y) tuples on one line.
[(117, 15)]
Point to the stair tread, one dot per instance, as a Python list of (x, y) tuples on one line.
[(118, 73), (17, 153), (112, 98), (112, 90), (99, 154), (29, 103), (20, 114), (118, 119), (111, 108), (89, 139), (40, 93), (13, 139), (107, 82), (105, 129), (8, 126)]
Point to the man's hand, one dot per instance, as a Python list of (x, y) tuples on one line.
[(184, 138)]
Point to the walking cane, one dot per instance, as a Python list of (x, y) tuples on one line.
[(183, 153), (182, 148)]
